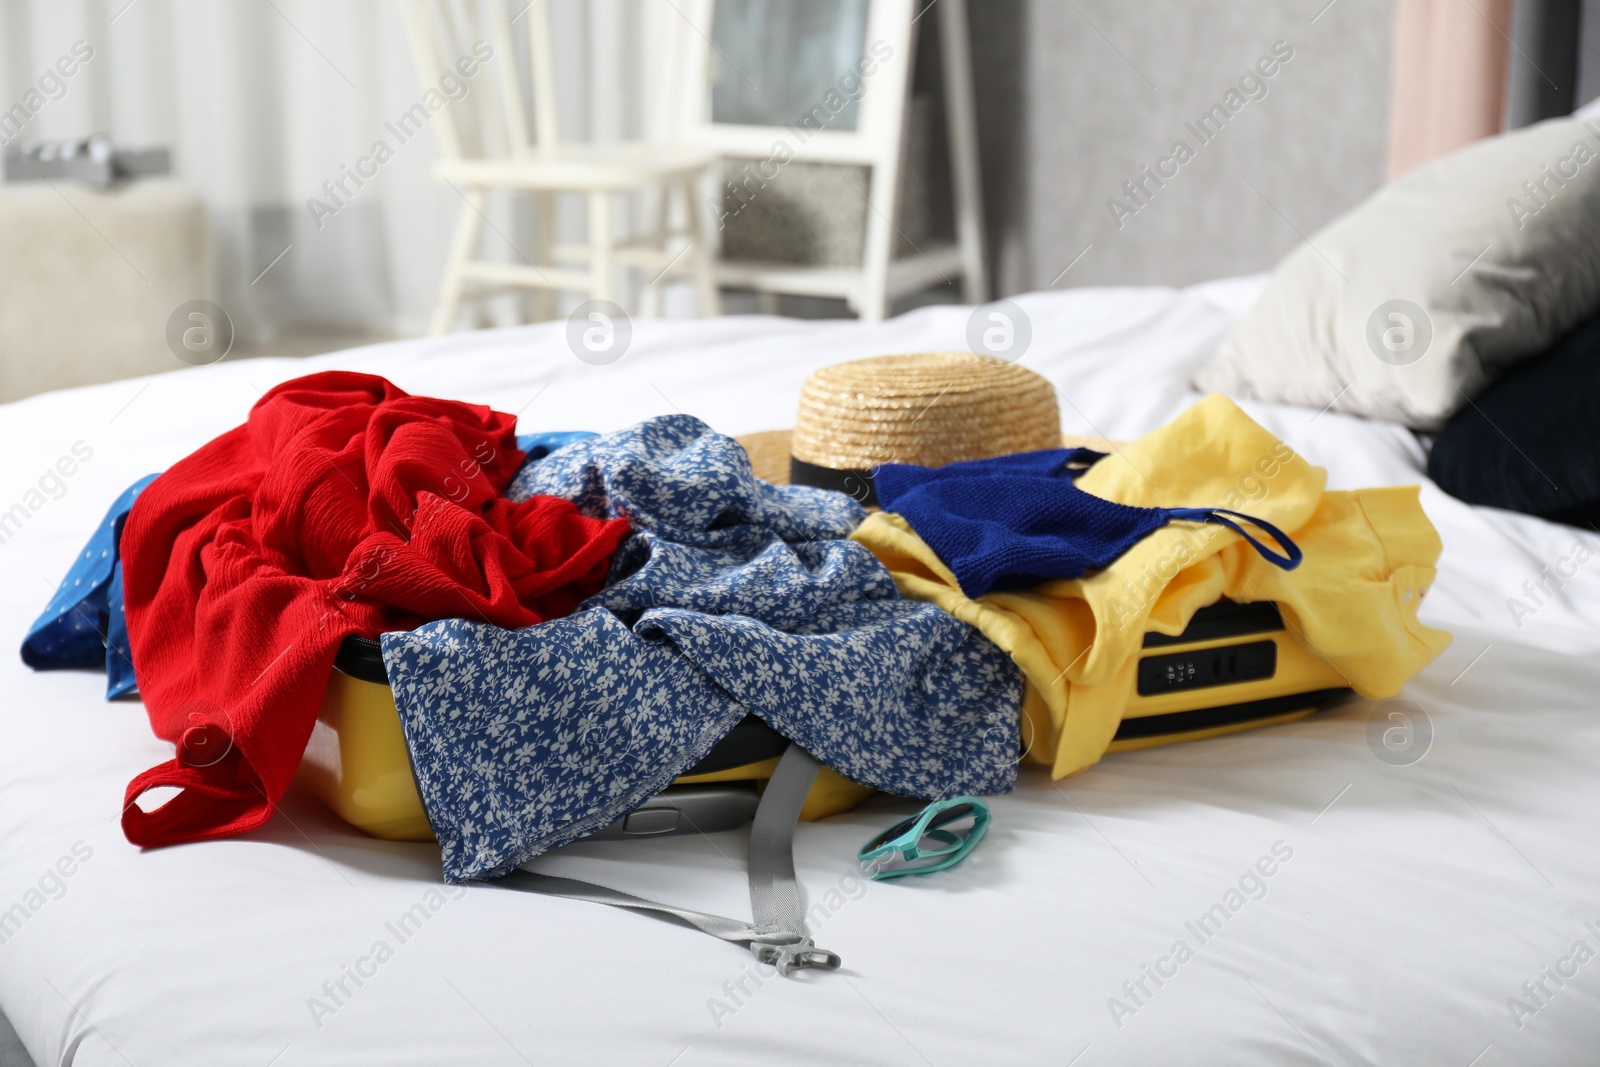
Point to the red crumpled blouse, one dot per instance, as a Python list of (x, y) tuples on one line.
[(342, 506)]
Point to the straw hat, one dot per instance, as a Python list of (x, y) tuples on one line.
[(928, 409)]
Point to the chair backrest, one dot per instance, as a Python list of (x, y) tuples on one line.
[(485, 115), (882, 84)]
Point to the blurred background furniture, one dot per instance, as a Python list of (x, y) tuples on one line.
[(263, 102), (90, 278), (485, 145), (825, 189)]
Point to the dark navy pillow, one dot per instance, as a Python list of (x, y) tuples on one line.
[(1531, 441)]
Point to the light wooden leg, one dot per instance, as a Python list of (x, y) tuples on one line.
[(544, 221), (601, 247), (658, 213), (707, 296), (962, 119), (468, 226), (771, 303), (872, 294), (650, 301)]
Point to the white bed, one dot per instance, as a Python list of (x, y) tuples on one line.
[(1417, 900)]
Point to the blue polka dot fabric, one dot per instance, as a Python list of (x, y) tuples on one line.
[(731, 596), (84, 625)]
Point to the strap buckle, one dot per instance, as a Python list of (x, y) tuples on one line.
[(793, 955)]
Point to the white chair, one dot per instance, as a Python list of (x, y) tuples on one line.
[(485, 145), (877, 141)]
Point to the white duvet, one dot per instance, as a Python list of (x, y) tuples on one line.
[(1280, 897)]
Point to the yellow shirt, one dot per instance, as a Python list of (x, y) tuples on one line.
[(1369, 558)]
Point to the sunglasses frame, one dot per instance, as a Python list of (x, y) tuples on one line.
[(905, 836)]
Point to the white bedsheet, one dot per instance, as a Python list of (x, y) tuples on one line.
[(1415, 902)]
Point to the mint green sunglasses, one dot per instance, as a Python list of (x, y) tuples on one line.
[(924, 843)]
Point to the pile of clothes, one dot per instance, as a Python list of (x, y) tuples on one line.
[(564, 635), (1074, 623), (730, 596), (568, 623)]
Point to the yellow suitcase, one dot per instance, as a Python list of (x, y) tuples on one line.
[(1234, 668), (357, 763)]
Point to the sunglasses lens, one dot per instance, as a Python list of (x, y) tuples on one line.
[(960, 813), (899, 829)]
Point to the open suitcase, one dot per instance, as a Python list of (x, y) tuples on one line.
[(356, 762), (1234, 668)]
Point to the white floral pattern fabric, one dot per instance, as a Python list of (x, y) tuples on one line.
[(731, 596)]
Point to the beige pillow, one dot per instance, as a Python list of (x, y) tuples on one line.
[(1431, 288)]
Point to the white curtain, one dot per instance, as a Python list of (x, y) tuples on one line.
[(262, 101)]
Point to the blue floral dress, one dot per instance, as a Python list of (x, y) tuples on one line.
[(732, 596)]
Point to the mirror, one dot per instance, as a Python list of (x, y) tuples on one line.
[(774, 61)]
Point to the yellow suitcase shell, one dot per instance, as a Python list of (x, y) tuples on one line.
[(1304, 683), (357, 763)]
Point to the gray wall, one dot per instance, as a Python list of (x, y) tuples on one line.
[(1588, 51), (1076, 95), (1542, 71)]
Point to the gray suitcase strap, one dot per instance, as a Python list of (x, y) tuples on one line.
[(778, 934)]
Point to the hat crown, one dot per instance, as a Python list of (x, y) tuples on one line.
[(929, 409)]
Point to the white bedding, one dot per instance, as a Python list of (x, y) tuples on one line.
[(1417, 900)]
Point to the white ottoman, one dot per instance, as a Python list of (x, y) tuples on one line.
[(88, 280)]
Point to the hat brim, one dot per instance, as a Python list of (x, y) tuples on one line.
[(769, 451)]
